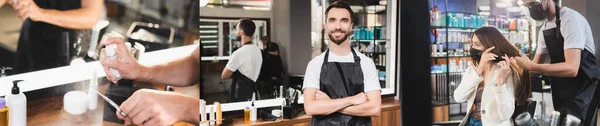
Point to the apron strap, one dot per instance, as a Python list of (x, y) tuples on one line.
[(557, 35), (326, 57), (356, 58)]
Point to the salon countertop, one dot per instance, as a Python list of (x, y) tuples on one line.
[(37, 80), (49, 112), (387, 104)]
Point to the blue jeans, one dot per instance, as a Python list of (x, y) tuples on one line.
[(474, 122)]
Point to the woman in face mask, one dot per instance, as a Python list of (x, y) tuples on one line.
[(494, 85)]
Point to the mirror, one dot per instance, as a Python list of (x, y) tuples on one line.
[(218, 39)]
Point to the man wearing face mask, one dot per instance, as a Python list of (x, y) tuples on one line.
[(566, 37), (341, 86)]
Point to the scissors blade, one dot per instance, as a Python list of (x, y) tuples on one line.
[(111, 102)]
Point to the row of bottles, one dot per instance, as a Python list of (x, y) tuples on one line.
[(509, 23), (455, 65), (456, 19), (454, 36), (365, 33)]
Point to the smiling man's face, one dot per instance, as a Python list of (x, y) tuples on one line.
[(338, 25)]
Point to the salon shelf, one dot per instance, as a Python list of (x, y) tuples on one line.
[(450, 56)]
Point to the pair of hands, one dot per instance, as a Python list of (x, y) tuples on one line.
[(354, 100), (148, 107), (488, 58), (26, 9), (522, 60)]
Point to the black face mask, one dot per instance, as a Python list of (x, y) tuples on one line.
[(475, 55), (537, 12)]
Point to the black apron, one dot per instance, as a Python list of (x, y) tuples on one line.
[(340, 80), (573, 95), (242, 87), (42, 45)]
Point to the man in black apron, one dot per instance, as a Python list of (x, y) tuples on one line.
[(271, 71), (48, 30), (573, 70), (341, 86), (246, 62)]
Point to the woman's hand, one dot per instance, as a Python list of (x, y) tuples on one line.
[(486, 57), (504, 70)]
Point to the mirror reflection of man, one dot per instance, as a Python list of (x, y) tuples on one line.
[(272, 69), (244, 64), (341, 86), (565, 37), (154, 107)]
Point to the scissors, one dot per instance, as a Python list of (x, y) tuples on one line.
[(111, 102)]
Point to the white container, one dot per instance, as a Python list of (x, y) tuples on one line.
[(211, 112), (17, 106), (276, 113), (253, 108), (75, 102), (111, 54), (92, 97), (202, 110)]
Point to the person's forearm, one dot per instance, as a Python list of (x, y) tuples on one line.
[(84, 18), (274, 53), (194, 116), (557, 69), (181, 72), (365, 109), (326, 107), (539, 58), (568, 68)]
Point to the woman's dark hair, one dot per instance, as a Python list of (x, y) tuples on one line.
[(491, 37)]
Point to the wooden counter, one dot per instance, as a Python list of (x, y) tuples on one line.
[(390, 116), (49, 112)]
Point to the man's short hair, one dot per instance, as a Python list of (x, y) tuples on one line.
[(343, 5), (247, 26)]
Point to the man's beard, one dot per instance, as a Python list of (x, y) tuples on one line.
[(340, 41)]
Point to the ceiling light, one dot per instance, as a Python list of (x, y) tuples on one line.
[(502, 5), (484, 8), (256, 8)]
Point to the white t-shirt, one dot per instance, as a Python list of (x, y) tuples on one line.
[(574, 28), (313, 70), (248, 60)]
